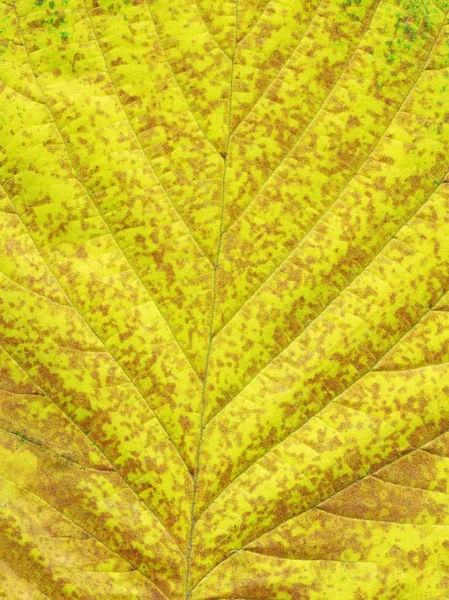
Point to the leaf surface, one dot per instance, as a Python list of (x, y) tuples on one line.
[(224, 300)]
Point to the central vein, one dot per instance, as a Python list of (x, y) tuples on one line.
[(214, 293)]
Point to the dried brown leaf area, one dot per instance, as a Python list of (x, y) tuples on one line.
[(224, 306)]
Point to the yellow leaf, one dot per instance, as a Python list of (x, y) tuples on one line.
[(224, 306)]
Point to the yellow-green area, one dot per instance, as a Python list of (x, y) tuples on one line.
[(224, 300)]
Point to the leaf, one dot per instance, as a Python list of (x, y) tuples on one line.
[(224, 299)]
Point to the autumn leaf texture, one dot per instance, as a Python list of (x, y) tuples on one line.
[(224, 303)]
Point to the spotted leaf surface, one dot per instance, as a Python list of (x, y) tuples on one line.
[(224, 303)]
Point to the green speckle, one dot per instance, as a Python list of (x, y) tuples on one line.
[(64, 35)]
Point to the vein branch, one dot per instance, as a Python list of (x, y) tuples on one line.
[(317, 506), (331, 401), (152, 170)]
